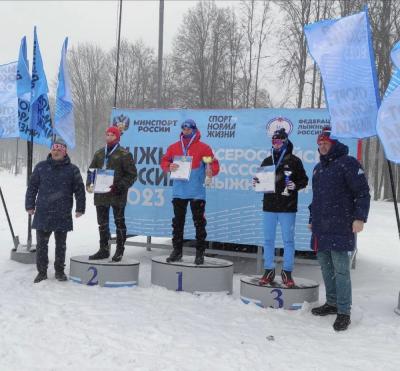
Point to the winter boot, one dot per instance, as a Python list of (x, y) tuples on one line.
[(41, 276), (103, 253), (287, 278), (119, 252), (199, 259), (176, 255), (342, 322), (324, 310), (268, 277), (60, 276)]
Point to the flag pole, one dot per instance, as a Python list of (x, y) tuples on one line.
[(16, 159), (15, 238), (118, 50), (160, 52), (28, 177), (396, 209)]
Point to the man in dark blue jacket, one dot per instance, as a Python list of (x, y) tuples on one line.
[(50, 197), (338, 211)]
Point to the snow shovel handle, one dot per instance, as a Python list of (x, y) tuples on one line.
[(15, 239)]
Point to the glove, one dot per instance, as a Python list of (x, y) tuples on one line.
[(115, 190), (291, 186), (255, 180)]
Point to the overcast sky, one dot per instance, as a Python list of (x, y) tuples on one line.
[(84, 21)]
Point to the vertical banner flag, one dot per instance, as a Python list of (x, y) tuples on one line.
[(40, 120), (343, 50), (23, 91), (388, 122), (8, 101), (64, 118)]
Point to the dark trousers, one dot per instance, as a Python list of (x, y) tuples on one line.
[(178, 222), (42, 259), (103, 220)]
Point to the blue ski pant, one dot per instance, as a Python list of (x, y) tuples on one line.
[(287, 223)]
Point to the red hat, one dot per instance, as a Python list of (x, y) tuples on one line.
[(114, 130), (60, 145), (325, 135)]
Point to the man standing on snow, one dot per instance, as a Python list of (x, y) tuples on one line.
[(338, 211), (203, 164), (112, 157), (49, 198)]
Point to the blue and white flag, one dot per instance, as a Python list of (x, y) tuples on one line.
[(343, 50), (388, 122), (40, 119), (24, 91), (64, 125), (8, 101)]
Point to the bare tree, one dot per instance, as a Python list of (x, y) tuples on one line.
[(90, 84), (293, 45), (262, 33), (136, 75), (235, 48), (247, 60), (199, 51)]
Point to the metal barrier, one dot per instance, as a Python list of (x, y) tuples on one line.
[(258, 256)]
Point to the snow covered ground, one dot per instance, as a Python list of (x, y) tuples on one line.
[(67, 326)]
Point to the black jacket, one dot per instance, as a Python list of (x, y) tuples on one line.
[(276, 202), (50, 192)]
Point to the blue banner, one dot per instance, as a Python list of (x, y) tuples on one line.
[(240, 139), (24, 91), (64, 125), (343, 51), (8, 101), (388, 122), (40, 119)]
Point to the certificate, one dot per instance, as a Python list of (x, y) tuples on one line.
[(104, 180), (184, 169), (266, 178)]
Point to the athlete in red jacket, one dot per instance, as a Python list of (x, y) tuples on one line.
[(192, 190)]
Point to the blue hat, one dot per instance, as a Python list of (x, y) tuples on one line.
[(189, 123)]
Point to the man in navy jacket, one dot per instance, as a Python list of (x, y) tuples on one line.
[(50, 198), (338, 211)]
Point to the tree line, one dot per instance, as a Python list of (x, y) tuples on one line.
[(253, 54)]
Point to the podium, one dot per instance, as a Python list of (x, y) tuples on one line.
[(104, 272), (276, 294), (215, 275)]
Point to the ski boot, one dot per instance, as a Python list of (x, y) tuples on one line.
[(176, 255), (268, 277), (103, 253), (199, 259), (287, 279)]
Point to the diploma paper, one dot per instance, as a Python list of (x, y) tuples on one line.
[(266, 177), (104, 180), (184, 169)]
